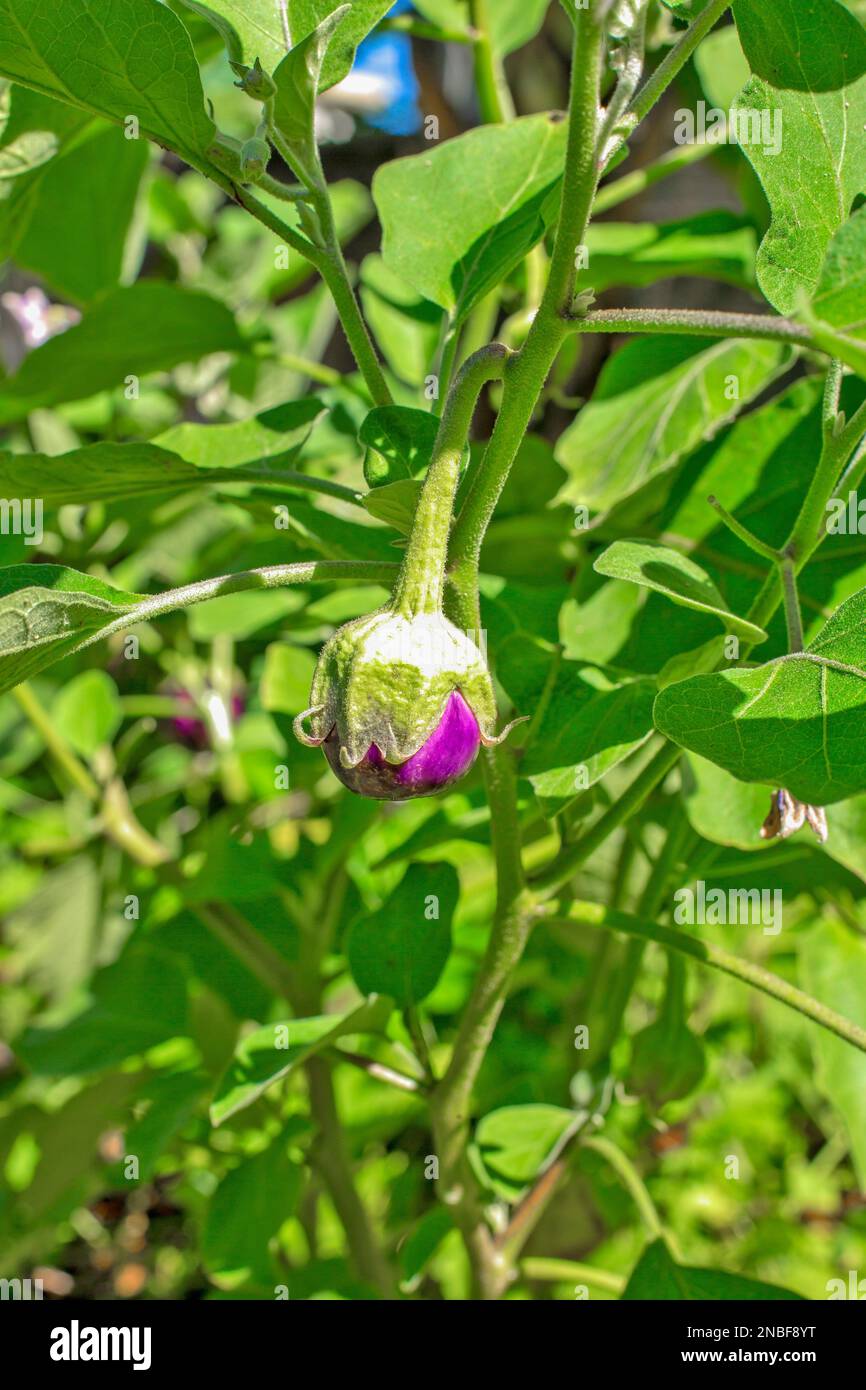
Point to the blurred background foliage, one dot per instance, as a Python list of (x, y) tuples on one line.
[(125, 993)]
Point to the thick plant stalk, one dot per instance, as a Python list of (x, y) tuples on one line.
[(333, 1163), (659, 81), (700, 323), (524, 379), (246, 581), (331, 265), (528, 371), (421, 583)]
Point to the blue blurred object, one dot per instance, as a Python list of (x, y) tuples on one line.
[(385, 60)]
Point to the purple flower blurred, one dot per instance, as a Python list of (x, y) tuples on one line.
[(191, 728)]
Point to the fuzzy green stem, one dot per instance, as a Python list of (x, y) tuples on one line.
[(246, 581), (743, 533), (451, 1099), (262, 213), (331, 265), (524, 381), (659, 81), (378, 1071), (420, 586), (287, 192), (335, 274), (332, 1159), (595, 915), (793, 616), (839, 444), (701, 323), (528, 371)]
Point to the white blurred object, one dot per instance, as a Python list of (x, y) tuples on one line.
[(37, 318), (368, 93), (362, 93)]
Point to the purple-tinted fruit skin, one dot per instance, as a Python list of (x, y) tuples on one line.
[(448, 753)]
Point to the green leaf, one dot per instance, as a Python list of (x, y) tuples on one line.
[(722, 66), (270, 1053), (669, 572), (276, 436), (243, 615), (69, 1170), (287, 678), (137, 1002), (760, 469), (185, 456), (656, 400), (795, 722), (406, 327), (723, 810), (55, 936), (456, 221), (91, 190), (33, 131), (47, 611), (133, 58), (512, 23), (686, 10), (422, 1242), (87, 711), (837, 314), (165, 1106), (667, 1058), (148, 327), (401, 950), (95, 473), (395, 503), (61, 167), (514, 1143), (808, 59), (297, 78), (253, 29), (364, 15), (245, 1213), (657, 1276), (107, 472), (588, 725), (833, 967), (717, 245), (250, 29), (399, 441)]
